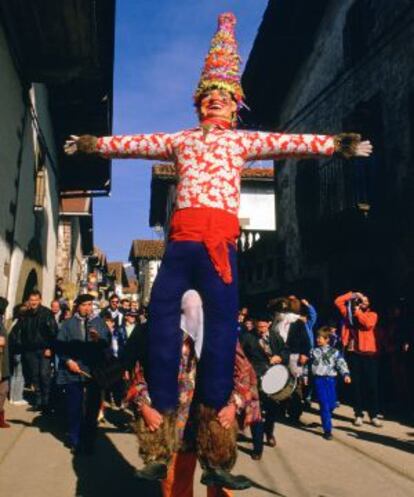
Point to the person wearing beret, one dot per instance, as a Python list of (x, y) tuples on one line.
[(81, 345)]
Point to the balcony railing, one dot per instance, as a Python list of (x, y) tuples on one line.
[(249, 238)]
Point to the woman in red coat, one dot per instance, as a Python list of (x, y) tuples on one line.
[(360, 343)]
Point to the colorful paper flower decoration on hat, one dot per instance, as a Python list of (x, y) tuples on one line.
[(222, 64)]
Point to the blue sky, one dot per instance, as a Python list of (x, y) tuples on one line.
[(160, 48)]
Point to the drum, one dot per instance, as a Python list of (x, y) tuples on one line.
[(277, 383)]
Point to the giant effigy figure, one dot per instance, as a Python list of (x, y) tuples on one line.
[(201, 249)]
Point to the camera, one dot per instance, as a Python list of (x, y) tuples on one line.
[(355, 302)]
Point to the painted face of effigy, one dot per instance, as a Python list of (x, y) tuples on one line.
[(217, 104)]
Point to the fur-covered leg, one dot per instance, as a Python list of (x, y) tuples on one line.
[(217, 451), (156, 448), (216, 446)]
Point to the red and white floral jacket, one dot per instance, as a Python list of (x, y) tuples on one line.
[(209, 164)]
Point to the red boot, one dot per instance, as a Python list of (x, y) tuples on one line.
[(3, 423)]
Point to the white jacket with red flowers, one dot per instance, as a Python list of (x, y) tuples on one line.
[(209, 164)]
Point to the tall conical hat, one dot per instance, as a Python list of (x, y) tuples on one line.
[(222, 64)]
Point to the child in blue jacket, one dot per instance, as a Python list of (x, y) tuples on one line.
[(325, 363)]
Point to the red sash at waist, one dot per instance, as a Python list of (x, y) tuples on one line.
[(216, 228)]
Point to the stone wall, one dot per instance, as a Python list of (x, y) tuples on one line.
[(360, 76)]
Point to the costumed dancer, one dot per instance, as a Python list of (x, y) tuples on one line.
[(201, 252), (179, 480)]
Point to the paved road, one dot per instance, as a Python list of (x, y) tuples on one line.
[(359, 462)]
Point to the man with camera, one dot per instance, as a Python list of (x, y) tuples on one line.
[(360, 344)]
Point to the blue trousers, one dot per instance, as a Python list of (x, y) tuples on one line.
[(82, 407), (187, 265), (325, 388)]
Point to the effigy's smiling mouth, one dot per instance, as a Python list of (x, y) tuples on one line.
[(215, 106)]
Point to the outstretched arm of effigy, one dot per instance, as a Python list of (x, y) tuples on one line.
[(142, 146), (262, 145)]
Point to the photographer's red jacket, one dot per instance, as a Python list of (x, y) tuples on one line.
[(363, 329)]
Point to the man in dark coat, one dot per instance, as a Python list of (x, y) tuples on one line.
[(264, 348), (38, 330), (114, 310), (82, 343)]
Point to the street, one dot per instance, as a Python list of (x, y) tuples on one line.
[(362, 461), (166, 168)]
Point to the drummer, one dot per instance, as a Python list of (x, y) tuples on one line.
[(264, 348)]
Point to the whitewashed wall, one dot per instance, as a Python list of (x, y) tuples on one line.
[(148, 270), (20, 228), (257, 208)]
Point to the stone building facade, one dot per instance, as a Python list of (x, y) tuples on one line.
[(348, 65)]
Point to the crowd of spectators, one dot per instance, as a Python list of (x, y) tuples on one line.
[(59, 361), (373, 354)]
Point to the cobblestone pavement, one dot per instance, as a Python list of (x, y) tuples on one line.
[(359, 462)]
